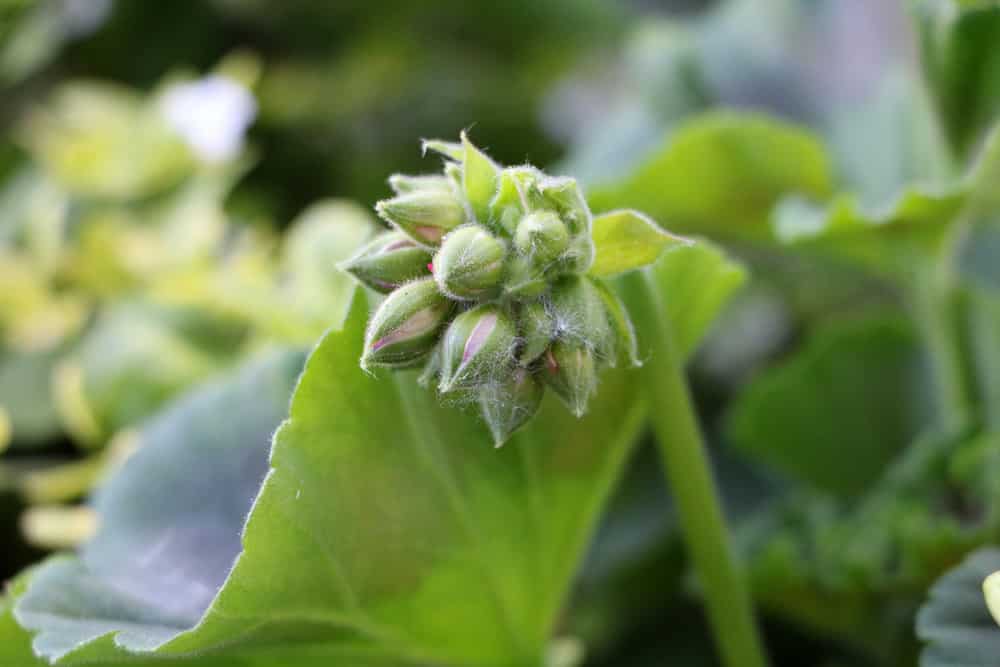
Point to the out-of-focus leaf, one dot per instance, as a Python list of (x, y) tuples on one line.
[(696, 281), (391, 506), (963, 64), (896, 235), (955, 620), (168, 536), (133, 360), (626, 240), (722, 173), (839, 411), (104, 141), (26, 397), (858, 569), (316, 291), (912, 224), (889, 140)]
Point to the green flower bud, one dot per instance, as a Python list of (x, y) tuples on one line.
[(423, 215), (509, 205), (406, 325), (524, 280), (477, 349), (542, 237), (538, 328), (563, 194), (506, 406), (511, 251), (571, 372), (403, 184), (388, 261), (581, 317), (470, 263)]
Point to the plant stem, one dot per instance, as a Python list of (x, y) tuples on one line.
[(689, 473)]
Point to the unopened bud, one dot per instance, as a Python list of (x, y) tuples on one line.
[(388, 261), (508, 404), (470, 263), (423, 215), (537, 329), (477, 349), (581, 317), (563, 194), (509, 205), (571, 372), (542, 237), (523, 279), (406, 325)]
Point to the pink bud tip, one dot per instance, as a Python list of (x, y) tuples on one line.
[(430, 266), (551, 363)]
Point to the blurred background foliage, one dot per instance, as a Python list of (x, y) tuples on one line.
[(834, 146)]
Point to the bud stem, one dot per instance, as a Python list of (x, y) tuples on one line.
[(689, 474)]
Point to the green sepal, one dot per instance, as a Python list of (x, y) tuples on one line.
[(626, 240), (480, 176)]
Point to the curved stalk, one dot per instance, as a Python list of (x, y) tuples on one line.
[(689, 474)]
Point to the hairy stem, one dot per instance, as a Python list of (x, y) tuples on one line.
[(689, 473)]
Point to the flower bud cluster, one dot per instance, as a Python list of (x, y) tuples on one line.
[(485, 271)]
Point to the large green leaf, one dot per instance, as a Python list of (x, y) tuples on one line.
[(388, 525), (838, 411), (722, 173), (955, 621), (170, 520)]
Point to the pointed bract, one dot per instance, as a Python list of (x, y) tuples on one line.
[(506, 406), (570, 370)]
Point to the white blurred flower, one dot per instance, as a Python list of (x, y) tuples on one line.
[(211, 114)]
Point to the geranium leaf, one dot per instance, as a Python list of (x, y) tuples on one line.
[(955, 621), (837, 412), (721, 173)]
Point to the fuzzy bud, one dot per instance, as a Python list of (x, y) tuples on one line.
[(423, 215), (571, 372), (469, 264), (477, 349), (388, 261), (406, 325), (524, 280), (581, 317), (537, 331), (542, 237), (507, 405)]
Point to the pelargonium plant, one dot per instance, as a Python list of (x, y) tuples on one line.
[(486, 269)]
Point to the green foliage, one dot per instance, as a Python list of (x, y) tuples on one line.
[(453, 515), (838, 412), (721, 173), (955, 621)]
